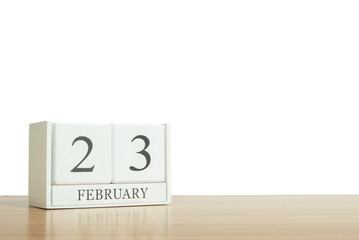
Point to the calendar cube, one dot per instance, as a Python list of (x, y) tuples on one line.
[(89, 165), (138, 153), (81, 154)]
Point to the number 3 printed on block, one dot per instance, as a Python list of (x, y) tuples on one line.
[(138, 153), (143, 152)]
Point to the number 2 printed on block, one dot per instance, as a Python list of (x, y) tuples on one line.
[(89, 144), (81, 154)]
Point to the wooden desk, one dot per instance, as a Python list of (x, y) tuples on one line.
[(190, 217)]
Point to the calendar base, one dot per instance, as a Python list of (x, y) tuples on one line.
[(65, 196)]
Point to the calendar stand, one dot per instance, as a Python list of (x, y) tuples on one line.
[(44, 194)]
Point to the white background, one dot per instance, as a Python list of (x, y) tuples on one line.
[(263, 96)]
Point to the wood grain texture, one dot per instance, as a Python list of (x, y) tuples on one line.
[(190, 217)]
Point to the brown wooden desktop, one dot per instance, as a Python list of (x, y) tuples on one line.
[(190, 217)]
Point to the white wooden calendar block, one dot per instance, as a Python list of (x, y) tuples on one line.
[(138, 153), (72, 165), (81, 153)]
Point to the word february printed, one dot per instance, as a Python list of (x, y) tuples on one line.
[(109, 194)]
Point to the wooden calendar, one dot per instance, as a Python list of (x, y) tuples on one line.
[(98, 165)]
